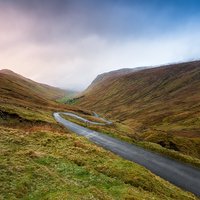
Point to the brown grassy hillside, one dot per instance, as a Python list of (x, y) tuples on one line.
[(9, 79), (161, 104), (113, 74)]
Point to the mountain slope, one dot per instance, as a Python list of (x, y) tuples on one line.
[(13, 82), (28, 99), (102, 78), (157, 103)]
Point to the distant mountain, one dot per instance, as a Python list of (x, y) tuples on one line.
[(116, 73), (155, 102), (9, 72), (15, 87)]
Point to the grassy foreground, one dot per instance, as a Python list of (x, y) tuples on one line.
[(42, 160), (49, 164)]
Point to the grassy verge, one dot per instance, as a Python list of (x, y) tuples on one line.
[(123, 132), (53, 164)]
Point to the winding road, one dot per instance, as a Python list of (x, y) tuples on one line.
[(181, 175)]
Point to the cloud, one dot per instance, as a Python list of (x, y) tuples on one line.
[(68, 43)]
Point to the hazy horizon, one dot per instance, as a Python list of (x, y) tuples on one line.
[(67, 43)]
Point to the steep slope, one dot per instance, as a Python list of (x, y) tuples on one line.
[(158, 103), (100, 79), (8, 77)]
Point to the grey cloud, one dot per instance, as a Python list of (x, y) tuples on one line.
[(68, 43)]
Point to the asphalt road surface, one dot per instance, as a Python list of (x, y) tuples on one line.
[(88, 121), (181, 175)]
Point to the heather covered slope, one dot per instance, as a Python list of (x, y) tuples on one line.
[(161, 104)]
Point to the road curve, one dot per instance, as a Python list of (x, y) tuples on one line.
[(181, 175), (88, 121)]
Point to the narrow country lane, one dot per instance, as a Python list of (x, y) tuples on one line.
[(182, 175)]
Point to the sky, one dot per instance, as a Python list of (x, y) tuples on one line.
[(67, 43)]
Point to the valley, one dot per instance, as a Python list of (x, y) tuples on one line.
[(41, 159)]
